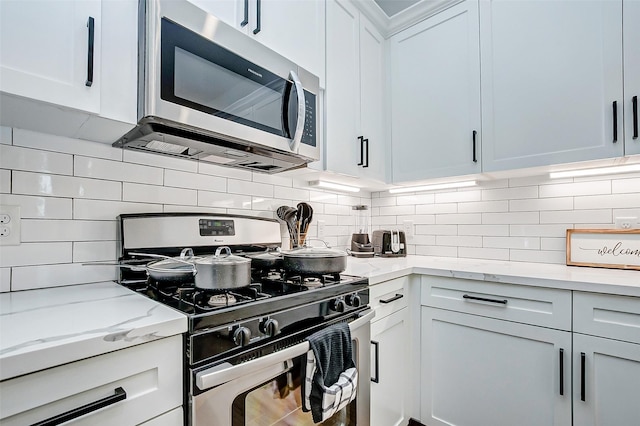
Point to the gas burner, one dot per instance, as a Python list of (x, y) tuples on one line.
[(224, 299), (313, 280)]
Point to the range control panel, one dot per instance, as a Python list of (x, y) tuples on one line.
[(216, 227)]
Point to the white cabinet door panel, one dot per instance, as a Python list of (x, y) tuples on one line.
[(435, 80), (482, 371), (551, 71), (611, 377), (44, 51), (631, 28)]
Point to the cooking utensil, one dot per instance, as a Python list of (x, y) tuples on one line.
[(290, 217), (222, 271), (314, 260), (305, 214)]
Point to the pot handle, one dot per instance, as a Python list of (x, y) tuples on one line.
[(186, 254), (219, 251), (317, 239)]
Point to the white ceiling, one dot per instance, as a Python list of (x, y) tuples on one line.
[(391, 7)]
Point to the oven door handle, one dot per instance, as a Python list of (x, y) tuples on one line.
[(227, 372)]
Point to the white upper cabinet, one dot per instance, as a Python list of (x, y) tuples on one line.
[(293, 28), (69, 67), (354, 94), (551, 82), (46, 51), (435, 96), (631, 32)]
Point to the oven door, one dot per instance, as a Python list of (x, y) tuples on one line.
[(266, 391)]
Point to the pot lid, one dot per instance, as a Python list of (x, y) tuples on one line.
[(220, 258), (314, 252)]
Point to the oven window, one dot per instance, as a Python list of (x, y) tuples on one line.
[(279, 403)]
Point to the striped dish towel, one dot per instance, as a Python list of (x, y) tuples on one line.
[(330, 375)]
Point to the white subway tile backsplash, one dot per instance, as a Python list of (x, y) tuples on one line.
[(323, 197), (622, 186), (484, 206), (484, 253), (5, 280), (558, 230), (26, 278), (224, 200), (488, 230), (249, 188), (109, 210), (67, 230), (169, 208), (94, 251), (575, 189), (5, 181), (383, 202), (380, 222), (295, 194), (436, 208), (538, 256), (577, 216), (419, 219), (42, 141), (442, 251), (422, 240), (515, 218), (64, 186), (5, 135), (553, 244), (397, 210), (458, 196), (459, 218), (33, 160), (271, 204), (40, 207), (271, 179), (158, 194), (161, 161), (510, 193), (525, 243), (227, 172), (615, 201), (539, 204), (98, 168), (35, 254), (180, 179), (403, 200), (437, 229), (348, 200), (337, 209), (460, 241)]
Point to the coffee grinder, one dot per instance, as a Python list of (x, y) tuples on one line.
[(360, 243)]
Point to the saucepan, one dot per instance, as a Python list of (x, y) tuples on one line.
[(222, 270), (314, 260)]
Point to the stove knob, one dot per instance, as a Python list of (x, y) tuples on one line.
[(353, 300), (270, 327), (337, 305), (241, 336)]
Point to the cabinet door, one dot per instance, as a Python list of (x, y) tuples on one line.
[(343, 88), (482, 371), (390, 369), (631, 29), (551, 71), (611, 394), (435, 96), (44, 51), (371, 100)]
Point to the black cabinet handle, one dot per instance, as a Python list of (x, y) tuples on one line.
[(634, 103), (361, 139), (258, 13), (582, 378), (366, 156), (615, 121), (245, 21), (91, 26), (502, 302), (561, 371), (119, 395), (392, 299), (475, 159), (376, 350)]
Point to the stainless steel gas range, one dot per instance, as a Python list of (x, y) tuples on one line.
[(246, 344)]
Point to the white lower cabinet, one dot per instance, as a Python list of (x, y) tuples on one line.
[(484, 371), (127, 387), (390, 354)]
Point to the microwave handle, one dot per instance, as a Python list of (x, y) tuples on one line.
[(294, 143)]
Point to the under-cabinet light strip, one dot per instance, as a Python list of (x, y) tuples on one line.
[(336, 186), (434, 187), (595, 172)]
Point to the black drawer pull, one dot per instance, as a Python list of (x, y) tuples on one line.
[(396, 297), (561, 371), (245, 21), (119, 395), (376, 369), (634, 105), (482, 299), (615, 121), (583, 388), (361, 139), (475, 159), (90, 43), (258, 17)]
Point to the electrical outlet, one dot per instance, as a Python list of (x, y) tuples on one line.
[(630, 222), (408, 228), (321, 229), (9, 225)]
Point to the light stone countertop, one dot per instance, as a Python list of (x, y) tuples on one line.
[(49, 327), (599, 280)]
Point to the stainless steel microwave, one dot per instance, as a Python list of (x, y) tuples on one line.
[(208, 92)]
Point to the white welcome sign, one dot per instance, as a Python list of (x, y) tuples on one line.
[(604, 248)]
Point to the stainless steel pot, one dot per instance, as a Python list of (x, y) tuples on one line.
[(314, 260), (169, 269), (222, 271), (265, 259)]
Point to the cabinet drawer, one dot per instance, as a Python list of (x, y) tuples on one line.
[(150, 374), (389, 296), (605, 315), (545, 307)]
